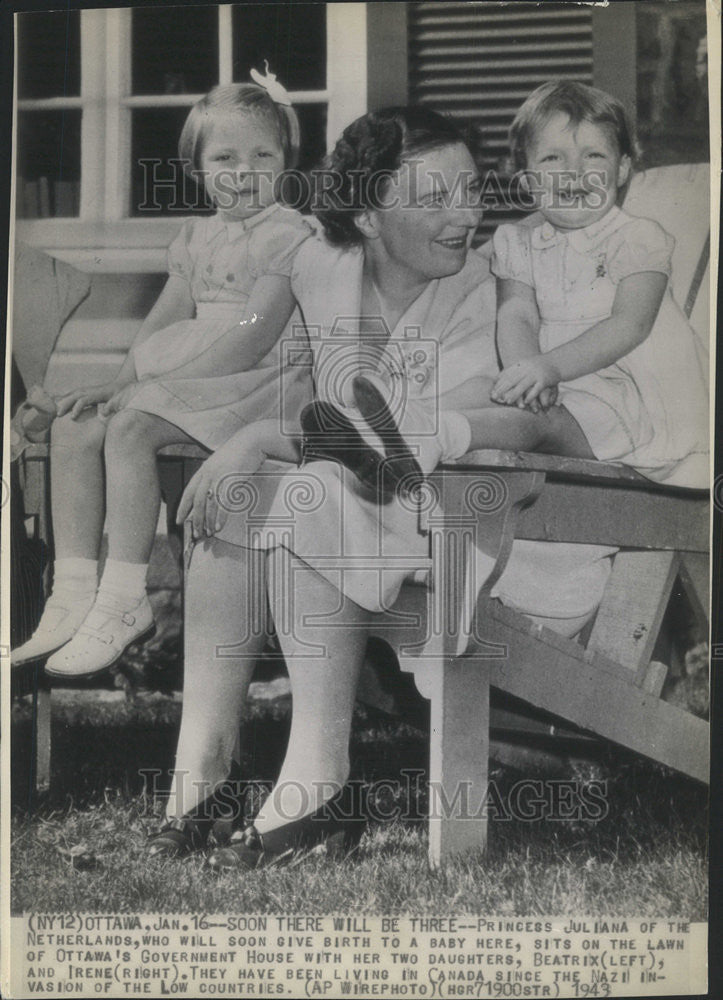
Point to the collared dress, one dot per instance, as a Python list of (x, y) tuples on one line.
[(649, 409), (221, 261), (320, 514)]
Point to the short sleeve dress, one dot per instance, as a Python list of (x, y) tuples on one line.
[(317, 513), (221, 261), (649, 410)]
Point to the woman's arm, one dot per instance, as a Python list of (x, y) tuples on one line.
[(267, 312), (173, 304), (635, 308), (240, 457)]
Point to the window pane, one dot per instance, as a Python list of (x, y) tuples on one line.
[(49, 54), (48, 171), (158, 185), (312, 124), (175, 50), (292, 36)]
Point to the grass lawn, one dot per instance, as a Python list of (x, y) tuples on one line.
[(81, 849)]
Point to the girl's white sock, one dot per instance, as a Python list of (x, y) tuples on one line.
[(75, 577), (123, 583)]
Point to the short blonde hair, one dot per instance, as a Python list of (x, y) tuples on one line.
[(582, 103), (244, 98)]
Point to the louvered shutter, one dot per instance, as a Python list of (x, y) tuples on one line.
[(478, 62)]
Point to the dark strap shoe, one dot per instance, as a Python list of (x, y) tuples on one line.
[(338, 823), (178, 838), (213, 817), (330, 436), (400, 465)]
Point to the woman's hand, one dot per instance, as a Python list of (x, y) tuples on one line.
[(81, 399), (203, 499), (525, 381)]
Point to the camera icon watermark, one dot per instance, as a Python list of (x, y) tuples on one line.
[(404, 365)]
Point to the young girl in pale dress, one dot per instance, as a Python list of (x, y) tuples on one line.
[(206, 361), (598, 360)]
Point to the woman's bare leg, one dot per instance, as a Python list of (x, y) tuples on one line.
[(225, 632), (323, 661)]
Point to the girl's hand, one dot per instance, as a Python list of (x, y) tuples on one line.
[(524, 381), (547, 398), (203, 498), (119, 399), (81, 399)]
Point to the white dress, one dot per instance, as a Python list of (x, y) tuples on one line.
[(221, 261), (316, 512), (649, 410)]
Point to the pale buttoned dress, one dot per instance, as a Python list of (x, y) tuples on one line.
[(320, 515), (221, 261), (649, 409)]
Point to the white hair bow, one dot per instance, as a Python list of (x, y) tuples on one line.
[(276, 91)]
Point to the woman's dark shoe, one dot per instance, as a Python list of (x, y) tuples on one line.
[(178, 838), (330, 435), (212, 818), (338, 823), (400, 464)]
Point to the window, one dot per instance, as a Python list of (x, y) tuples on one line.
[(49, 115), (102, 96)]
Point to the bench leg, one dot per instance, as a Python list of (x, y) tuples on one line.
[(42, 710), (459, 755), (40, 747)]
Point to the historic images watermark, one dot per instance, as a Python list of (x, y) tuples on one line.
[(529, 800), (320, 189)]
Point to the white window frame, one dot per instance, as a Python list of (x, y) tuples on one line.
[(104, 238)]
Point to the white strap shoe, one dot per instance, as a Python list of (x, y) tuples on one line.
[(102, 639), (60, 620)]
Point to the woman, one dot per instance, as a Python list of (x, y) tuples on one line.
[(393, 287)]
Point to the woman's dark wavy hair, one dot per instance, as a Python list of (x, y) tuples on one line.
[(355, 175)]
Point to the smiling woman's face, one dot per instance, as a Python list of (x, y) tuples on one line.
[(429, 212)]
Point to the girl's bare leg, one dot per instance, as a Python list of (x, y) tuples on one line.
[(555, 432), (77, 483), (323, 663), (133, 490), (121, 613), (78, 509), (225, 631)]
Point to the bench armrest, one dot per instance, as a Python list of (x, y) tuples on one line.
[(558, 468)]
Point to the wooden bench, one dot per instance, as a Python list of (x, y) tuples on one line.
[(607, 685), (458, 650)]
